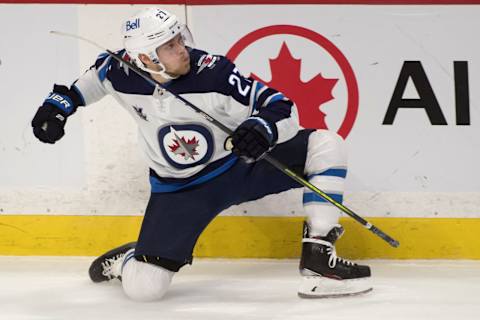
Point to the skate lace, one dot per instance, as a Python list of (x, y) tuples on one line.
[(332, 261), (109, 265)]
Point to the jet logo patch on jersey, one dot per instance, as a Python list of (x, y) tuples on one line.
[(140, 113), (125, 57), (185, 148), (186, 145), (206, 61)]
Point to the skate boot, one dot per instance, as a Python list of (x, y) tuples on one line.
[(325, 275), (109, 265)]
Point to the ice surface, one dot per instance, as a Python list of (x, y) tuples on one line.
[(59, 288)]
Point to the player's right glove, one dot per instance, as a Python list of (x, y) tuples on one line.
[(253, 139), (49, 121)]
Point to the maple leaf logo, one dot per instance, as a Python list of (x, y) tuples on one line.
[(186, 148), (308, 96)]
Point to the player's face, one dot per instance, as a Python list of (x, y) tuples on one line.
[(174, 56)]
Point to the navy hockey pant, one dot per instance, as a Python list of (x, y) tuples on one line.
[(174, 221)]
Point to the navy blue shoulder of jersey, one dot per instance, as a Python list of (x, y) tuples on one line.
[(208, 73), (121, 78), (212, 73)]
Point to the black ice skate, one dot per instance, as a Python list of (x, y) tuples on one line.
[(108, 266), (325, 275)]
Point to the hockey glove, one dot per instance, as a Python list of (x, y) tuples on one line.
[(253, 138), (49, 121)]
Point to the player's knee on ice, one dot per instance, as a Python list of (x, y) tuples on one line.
[(145, 282), (326, 149)]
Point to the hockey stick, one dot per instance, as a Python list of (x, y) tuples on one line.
[(277, 164)]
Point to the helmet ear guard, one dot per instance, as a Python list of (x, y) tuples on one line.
[(147, 30)]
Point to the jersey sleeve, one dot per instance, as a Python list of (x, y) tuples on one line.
[(90, 84), (264, 101)]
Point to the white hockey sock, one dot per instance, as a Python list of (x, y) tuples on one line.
[(326, 168), (322, 216), (321, 220), (143, 281)]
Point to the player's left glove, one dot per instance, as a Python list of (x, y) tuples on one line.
[(253, 139)]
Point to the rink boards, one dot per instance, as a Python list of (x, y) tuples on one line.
[(243, 237)]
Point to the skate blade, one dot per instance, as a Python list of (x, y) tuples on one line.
[(322, 288)]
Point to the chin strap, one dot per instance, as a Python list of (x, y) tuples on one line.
[(161, 73)]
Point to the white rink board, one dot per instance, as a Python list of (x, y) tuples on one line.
[(376, 40), (31, 60), (115, 179), (410, 168)]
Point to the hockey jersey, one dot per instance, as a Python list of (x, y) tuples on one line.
[(181, 147)]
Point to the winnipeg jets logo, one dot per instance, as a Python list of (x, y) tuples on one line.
[(183, 147), (186, 145), (206, 61), (140, 113)]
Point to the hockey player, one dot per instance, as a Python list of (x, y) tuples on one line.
[(194, 172)]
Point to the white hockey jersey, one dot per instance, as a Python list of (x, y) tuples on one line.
[(181, 146)]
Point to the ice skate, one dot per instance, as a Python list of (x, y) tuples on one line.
[(325, 275), (108, 266)]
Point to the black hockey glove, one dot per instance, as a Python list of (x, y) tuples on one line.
[(253, 138), (49, 121)]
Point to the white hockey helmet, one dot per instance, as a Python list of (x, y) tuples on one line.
[(148, 29)]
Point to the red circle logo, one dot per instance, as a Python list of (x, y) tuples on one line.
[(309, 96)]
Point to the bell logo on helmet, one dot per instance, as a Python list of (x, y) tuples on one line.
[(132, 25)]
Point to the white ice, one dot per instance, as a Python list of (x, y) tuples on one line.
[(58, 288)]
